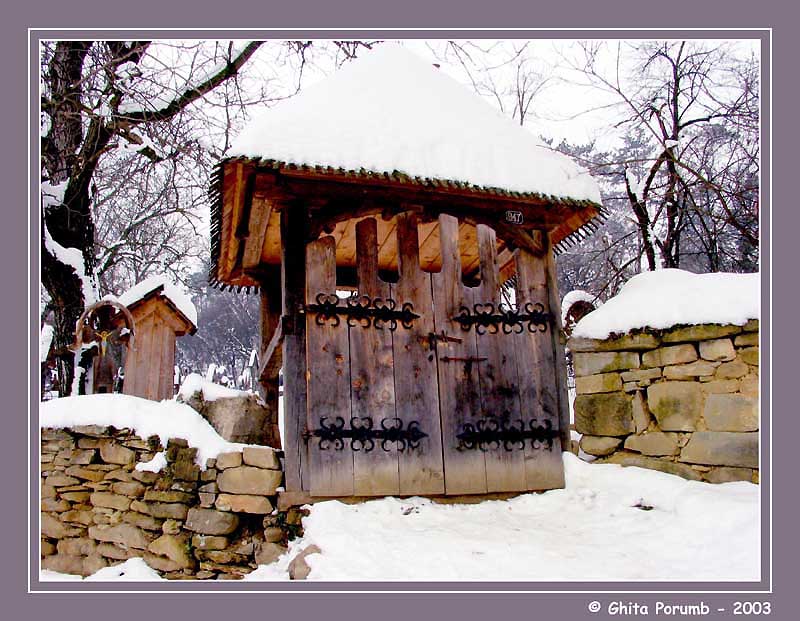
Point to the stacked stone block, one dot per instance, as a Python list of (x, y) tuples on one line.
[(186, 523), (683, 400)]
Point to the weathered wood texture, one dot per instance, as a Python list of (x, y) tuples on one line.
[(293, 281), (328, 386), (537, 375), (415, 365), (372, 374)]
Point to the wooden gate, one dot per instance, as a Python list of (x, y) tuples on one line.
[(427, 386)]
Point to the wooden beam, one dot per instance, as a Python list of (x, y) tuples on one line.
[(257, 230), (272, 357)]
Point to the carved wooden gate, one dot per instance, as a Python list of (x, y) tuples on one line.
[(427, 386)]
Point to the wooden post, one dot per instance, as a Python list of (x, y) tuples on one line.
[(270, 316), (293, 282)]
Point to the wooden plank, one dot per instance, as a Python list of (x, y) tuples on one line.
[(459, 393), (416, 390), (271, 331), (328, 375), (260, 213), (505, 469), (293, 262), (557, 333), (375, 472), (154, 358), (544, 468), (166, 380)]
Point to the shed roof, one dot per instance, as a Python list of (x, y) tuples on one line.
[(390, 111)]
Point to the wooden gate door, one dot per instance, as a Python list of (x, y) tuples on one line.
[(428, 386), (373, 412)]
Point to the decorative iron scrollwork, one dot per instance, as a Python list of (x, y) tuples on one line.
[(362, 310), (491, 433), (504, 317), (363, 436)]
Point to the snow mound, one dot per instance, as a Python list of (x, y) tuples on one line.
[(165, 419), (195, 382), (671, 297), (45, 341), (576, 295), (390, 110), (171, 291)]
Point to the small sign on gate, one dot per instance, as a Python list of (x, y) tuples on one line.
[(514, 217)]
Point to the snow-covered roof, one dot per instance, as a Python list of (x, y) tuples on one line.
[(672, 297), (171, 291), (391, 111)]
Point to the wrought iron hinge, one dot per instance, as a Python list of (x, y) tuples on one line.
[(493, 433), (364, 437), (510, 319), (362, 310)]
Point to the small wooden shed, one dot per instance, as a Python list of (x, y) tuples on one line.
[(161, 313), (393, 182)]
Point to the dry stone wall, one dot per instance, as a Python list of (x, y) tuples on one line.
[(186, 523), (683, 401)]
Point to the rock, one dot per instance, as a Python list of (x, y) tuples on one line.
[(720, 386), (273, 534), (298, 568), (186, 470), (148, 478), (747, 386), (249, 480), (209, 542), (83, 457), (229, 460), (119, 474), (747, 340), (631, 342), (123, 534), (174, 548), (641, 375), (676, 405), (607, 414), (717, 350), (268, 553), (603, 382), (78, 516), (54, 506), (632, 386), (159, 563), (654, 443), (87, 474), (109, 550), (726, 474), (77, 546), (59, 479), (603, 362), (598, 445), (93, 431), (209, 474), (171, 527), (167, 496), (663, 356), (209, 488), (54, 529), (207, 499), (211, 522), (699, 333), (242, 419), (731, 370), (243, 503), (141, 520), (46, 548), (749, 355), (727, 412), (48, 491), (260, 457), (652, 463), (132, 489), (173, 510), (641, 413), (64, 564), (689, 371), (722, 448), (80, 497), (112, 501), (750, 326), (113, 453)]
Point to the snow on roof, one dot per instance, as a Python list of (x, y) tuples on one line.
[(165, 419), (390, 110), (671, 297), (171, 291)]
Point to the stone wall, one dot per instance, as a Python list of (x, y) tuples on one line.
[(683, 401), (98, 510)]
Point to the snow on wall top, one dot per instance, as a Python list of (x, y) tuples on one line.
[(171, 291), (576, 295), (390, 110), (670, 297)]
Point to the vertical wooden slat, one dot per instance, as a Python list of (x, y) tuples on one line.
[(417, 398), (257, 229), (270, 314), (293, 265), (166, 349), (536, 376), (328, 386), (560, 368), (372, 374), (153, 355), (505, 469), (459, 396)]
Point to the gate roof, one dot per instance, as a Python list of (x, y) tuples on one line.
[(389, 132)]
